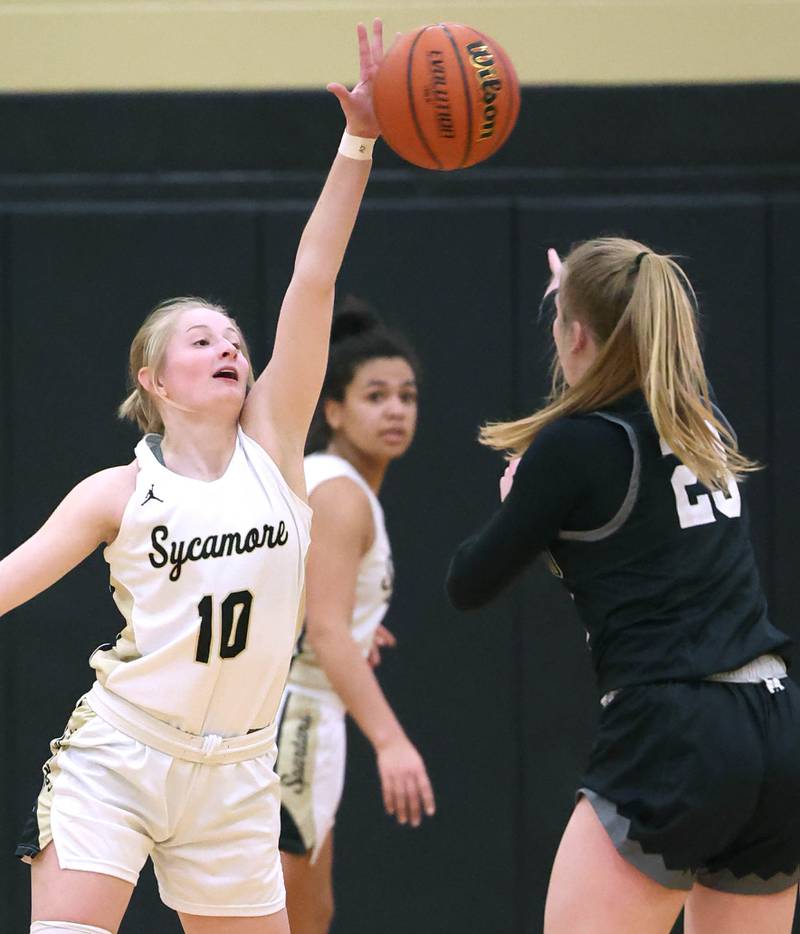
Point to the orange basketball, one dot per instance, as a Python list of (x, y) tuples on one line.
[(446, 96)]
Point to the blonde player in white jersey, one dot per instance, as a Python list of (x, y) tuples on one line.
[(366, 419), (171, 753)]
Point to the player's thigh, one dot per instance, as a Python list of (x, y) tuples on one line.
[(91, 898), (593, 890), (709, 912), (277, 923), (309, 883)]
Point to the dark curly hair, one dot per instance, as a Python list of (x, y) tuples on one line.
[(357, 335)]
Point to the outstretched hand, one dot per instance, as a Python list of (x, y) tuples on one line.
[(507, 480), (357, 104)]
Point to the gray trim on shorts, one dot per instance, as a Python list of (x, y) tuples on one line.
[(617, 827), (726, 881), (653, 866), (617, 521)]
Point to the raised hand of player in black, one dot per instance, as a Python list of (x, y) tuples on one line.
[(554, 262)]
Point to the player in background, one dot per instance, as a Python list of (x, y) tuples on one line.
[(170, 755), (627, 481), (366, 419)]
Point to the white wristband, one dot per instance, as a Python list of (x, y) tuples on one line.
[(356, 147)]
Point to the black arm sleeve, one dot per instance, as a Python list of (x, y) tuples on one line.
[(575, 475)]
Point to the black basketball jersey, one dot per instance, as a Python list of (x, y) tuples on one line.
[(668, 588)]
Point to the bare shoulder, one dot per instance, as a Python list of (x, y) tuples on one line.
[(342, 504), (340, 494), (105, 494), (114, 482)]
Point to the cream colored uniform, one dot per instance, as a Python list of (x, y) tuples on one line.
[(311, 732), (171, 753)]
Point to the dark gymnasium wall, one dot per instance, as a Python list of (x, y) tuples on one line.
[(109, 203)]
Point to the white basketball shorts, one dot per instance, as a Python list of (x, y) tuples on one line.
[(312, 750), (210, 826)]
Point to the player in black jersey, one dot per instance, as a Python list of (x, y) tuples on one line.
[(627, 481)]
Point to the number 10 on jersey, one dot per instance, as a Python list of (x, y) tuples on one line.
[(234, 621)]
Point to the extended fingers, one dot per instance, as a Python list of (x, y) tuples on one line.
[(339, 91), (418, 797), (413, 797), (364, 53), (554, 261), (413, 801), (377, 41), (400, 799), (426, 793), (387, 789), (385, 638)]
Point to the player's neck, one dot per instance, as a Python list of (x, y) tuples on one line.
[(196, 449), (373, 471)]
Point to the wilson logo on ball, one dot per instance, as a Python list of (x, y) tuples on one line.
[(482, 60), (446, 96)]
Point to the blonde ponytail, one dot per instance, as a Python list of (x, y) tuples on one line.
[(639, 307), (138, 407)]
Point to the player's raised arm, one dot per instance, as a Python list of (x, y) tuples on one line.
[(278, 411)]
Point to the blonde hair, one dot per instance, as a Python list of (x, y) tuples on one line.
[(640, 308), (149, 349)]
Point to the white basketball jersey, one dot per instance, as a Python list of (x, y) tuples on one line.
[(375, 574), (209, 577)]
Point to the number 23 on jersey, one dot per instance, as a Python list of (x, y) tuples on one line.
[(701, 511)]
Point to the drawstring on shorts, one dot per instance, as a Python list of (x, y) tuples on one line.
[(766, 669)]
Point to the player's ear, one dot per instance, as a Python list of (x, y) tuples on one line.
[(580, 336), (333, 413), (147, 380)]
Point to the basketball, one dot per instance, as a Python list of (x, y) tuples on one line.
[(446, 96)]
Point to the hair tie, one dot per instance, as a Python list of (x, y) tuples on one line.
[(638, 261)]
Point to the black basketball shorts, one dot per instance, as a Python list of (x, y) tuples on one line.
[(700, 782)]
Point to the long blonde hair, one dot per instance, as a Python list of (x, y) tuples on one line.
[(149, 348), (639, 307)]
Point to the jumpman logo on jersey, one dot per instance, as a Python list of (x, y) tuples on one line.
[(151, 495)]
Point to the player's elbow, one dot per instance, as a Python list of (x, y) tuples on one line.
[(460, 592), (314, 277), (324, 633)]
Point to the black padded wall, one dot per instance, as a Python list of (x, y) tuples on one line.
[(784, 415)]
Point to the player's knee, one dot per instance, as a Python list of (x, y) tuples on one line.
[(65, 927)]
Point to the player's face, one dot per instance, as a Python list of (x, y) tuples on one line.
[(378, 415), (204, 369)]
